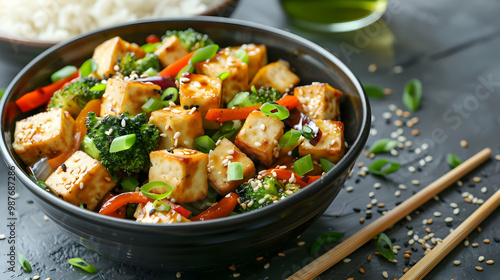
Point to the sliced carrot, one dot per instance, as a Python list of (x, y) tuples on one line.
[(222, 209), (42, 95), (79, 133), (239, 113), (174, 68)]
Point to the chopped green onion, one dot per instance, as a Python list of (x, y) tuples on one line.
[(163, 206), (2, 91), (253, 89), (149, 48), (412, 94), (290, 138), (376, 167), (204, 144), (82, 264), (170, 95), (186, 69), (227, 130), (62, 73), (122, 143), (98, 87), (81, 206), (275, 110), (326, 164), (129, 183), (223, 75), (453, 160), (329, 237), (373, 91), (383, 146), (151, 105), (88, 67), (89, 147), (308, 132), (303, 165), (242, 55), (24, 263), (234, 171), (388, 253), (240, 100), (151, 185), (150, 72), (42, 185), (203, 54)]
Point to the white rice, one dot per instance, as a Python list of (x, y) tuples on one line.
[(56, 20)]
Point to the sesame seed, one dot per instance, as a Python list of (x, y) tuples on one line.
[(349, 189), (259, 259), (262, 127), (398, 123), (2, 236), (466, 243), (346, 260), (410, 233), (281, 254), (387, 115), (475, 245), (415, 132), (453, 205), (486, 241), (463, 143), (361, 220), (425, 146), (236, 275), (185, 80), (480, 259), (402, 187), (377, 185), (397, 193), (448, 219), (374, 201), (45, 218), (497, 157), (177, 134), (371, 194), (478, 268), (81, 185), (422, 162), (372, 68), (392, 107), (457, 262), (437, 214), (258, 144), (456, 211), (361, 270), (411, 169), (490, 262), (411, 242), (385, 274), (301, 243), (418, 151)]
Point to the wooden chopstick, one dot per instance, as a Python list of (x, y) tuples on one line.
[(432, 258), (357, 240)]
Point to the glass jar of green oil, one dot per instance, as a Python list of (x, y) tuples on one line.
[(334, 15)]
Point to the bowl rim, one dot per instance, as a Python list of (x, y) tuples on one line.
[(346, 163)]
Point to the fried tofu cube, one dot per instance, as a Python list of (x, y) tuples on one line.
[(202, 91), (257, 57), (218, 160), (142, 215), (331, 145), (184, 170), (178, 127), (106, 55), (46, 134), (236, 82), (259, 136), (170, 50), (319, 101), (126, 96), (81, 180), (276, 75)]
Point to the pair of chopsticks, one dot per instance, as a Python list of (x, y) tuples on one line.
[(430, 260)]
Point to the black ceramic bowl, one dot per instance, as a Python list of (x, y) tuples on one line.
[(208, 244)]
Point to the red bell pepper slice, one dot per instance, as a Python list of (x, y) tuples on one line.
[(42, 95), (118, 213), (152, 39), (222, 209), (284, 174), (239, 113), (118, 201), (174, 68), (80, 131)]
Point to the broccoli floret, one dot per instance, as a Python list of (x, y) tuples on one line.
[(148, 64), (133, 160), (75, 96), (254, 97), (190, 39)]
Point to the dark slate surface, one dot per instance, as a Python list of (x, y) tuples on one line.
[(452, 47)]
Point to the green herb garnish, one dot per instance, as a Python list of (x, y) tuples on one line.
[(453, 160), (383, 146), (412, 94), (326, 164), (82, 264), (122, 143), (303, 165), (373, 91), (329, 237), (234, 171), (62, 73), (388, 253), (223, 75), (24, 263), (151, 185), (88, 67), (377, 167)]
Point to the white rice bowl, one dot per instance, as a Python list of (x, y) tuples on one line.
[(58, 20)]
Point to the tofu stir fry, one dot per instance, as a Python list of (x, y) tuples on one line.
[(179, 130)]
